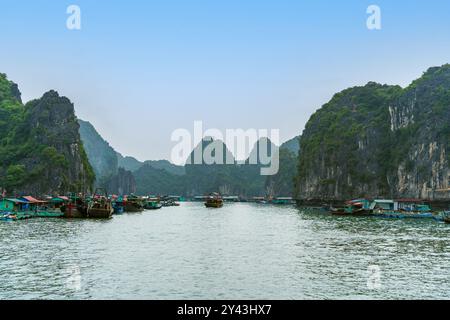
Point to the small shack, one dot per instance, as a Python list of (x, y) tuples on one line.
[(14, 204)]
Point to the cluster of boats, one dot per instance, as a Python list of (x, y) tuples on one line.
[(215, 200), (400, 208), (100, 205)]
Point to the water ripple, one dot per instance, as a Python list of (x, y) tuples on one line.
[(242, 251)]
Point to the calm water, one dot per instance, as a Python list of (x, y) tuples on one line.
[(242, 251)]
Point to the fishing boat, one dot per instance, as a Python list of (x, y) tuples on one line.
[(214, 200), (357, 207), (153, 204), (14, 216), (337, 211), (169, 202), (100, 207), (446, 216), (118, 205), (118, 208), (75, 208), (133, 203)]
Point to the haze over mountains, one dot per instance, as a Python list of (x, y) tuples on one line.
[(368, 141), (163, 177)]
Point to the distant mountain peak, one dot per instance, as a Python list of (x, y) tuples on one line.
[(263, 147), (208, 148)]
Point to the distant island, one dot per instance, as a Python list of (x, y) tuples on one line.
[(380, 141), (369, 141)]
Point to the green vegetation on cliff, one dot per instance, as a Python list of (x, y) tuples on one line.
[(379, 140), (40, 148)]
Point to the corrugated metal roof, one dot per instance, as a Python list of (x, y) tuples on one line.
[(16, 200), (32, 200)]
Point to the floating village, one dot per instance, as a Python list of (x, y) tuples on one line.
[(100, 205)]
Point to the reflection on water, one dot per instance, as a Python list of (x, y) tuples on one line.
[(242, 251)]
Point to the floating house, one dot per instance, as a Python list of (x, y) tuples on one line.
[(412, 205), (33, 202), (200, 198), (402, 208), (231, 199), (384, 205), (283, 200), (177, 198), (14, 204), (258, 199)]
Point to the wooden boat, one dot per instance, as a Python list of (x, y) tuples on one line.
[(357, 207), (76, 208), (169, 202), (15, 216), (133, 204), (100, 207), (153, 204), (337, 211), (214, 201), (118, 205), (446, 216)]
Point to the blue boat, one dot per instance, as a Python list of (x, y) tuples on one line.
[(443, 216), (118, 206), (118, 209)]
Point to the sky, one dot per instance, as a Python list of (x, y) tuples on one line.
[(138, 70)]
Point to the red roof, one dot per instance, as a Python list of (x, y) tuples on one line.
[(32, 200)]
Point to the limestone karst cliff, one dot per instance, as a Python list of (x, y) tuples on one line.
[(40, 146), (380, 141)]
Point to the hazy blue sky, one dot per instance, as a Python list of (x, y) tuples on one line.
[(138, 70)]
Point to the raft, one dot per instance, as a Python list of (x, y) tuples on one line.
[(403, 215)]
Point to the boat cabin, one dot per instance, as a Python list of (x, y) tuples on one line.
[(359, 203), (384, 205), (412, 205), (231, 199), (406, 205)]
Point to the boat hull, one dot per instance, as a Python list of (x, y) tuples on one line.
[(155, 207), (74, 212), (100, 213), (403, 215), (133, 208), (214, 205), (119, 210)]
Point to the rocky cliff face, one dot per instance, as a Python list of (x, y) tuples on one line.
[(101, 155), (41, 151), (123, 182), (105, 162), (380, 141)]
